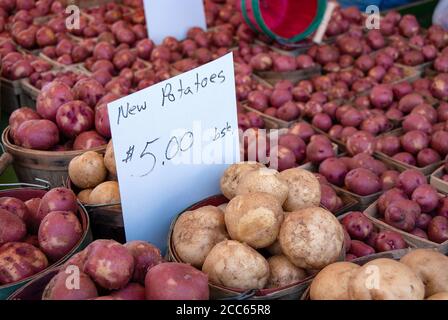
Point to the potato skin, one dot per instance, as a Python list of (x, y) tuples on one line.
[(263, 180), (87, 170), (57, 288), (304, 189), (109, 264), (254, 218), (396, 282), (197, 232), (145, 256), (233, 174), (105, 193), (431, 267), (236, 265), (109, 159), (57, 199), (311, 238), (133, 291), (84, 195), (12, 228), (332, 282), (58, 233), (176, 281), (439, 296), (283, 272), (19, 261)]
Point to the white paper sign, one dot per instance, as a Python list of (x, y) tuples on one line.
[(172, 142), (173, 18)]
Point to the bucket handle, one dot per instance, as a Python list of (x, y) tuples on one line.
[(46, 186), (242, 296)]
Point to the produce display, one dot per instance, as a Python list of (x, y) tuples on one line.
[(416, 275), (338, 140), (37, 233)]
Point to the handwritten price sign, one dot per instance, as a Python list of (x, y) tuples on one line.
[(172, 142)]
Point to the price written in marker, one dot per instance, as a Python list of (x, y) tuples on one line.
[(172, 142)]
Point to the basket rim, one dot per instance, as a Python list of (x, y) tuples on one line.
[(17, 149)]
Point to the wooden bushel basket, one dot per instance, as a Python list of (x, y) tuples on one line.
[(51, 166), (290, 292)]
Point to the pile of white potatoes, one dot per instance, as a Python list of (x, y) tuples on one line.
[(420, 274), (96, 177), (271, 234)]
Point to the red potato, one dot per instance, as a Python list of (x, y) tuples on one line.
[(88, 140), (102, 65), (417, 122), (360, 249), (419, 233), (288, 111), (389, 179), (303, 130), (438, 229), (124, 58), (439, 86), (401, 89), (426, 111), (12, 227), (362, 182), (258, 100), (18, 117), (279, 97), (318, 151), (103, 50), (351, 118), (381, 96), (176, 281), (19, 261), (442, 111), (388, 144), (32, 206), (102, 124), (133, 292), (402, 214), (145, 256), (295, 144), (357, 225), (414, 141), (15, 206), (441, 63), (329, 198), (88, 90), (37, 134), (410, 179), (442, 209), (365, 63), (21, 69), (109, 264), (360, 142), (387, 198), (389, 240), (405, 157), (57, 199), (284, 158), (261, 62), (74, 117), (426, 197), (334, 170), (409, 102), (335, 132), (347, 132), (423, 221), (283, 63), (57, 288), (144, 48), (439, 142), (27, 38), (59, 232), (51, 97), (45, 37)]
